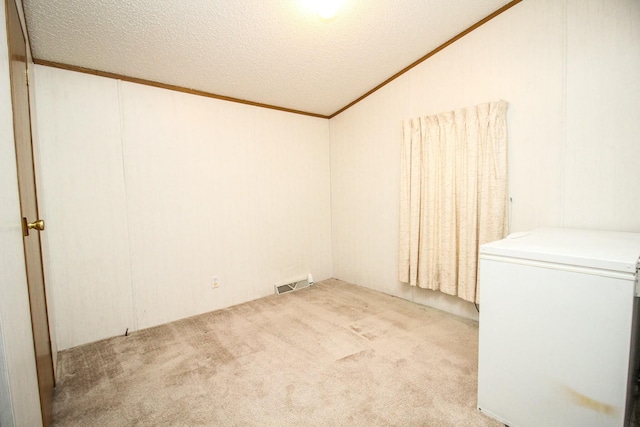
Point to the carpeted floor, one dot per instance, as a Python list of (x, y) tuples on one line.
[(334, 354)]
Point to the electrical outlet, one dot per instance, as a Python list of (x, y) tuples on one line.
[(214, 282)]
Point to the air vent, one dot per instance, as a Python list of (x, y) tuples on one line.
[(294, 286)]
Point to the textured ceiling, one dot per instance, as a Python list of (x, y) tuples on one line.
[(274, 52)]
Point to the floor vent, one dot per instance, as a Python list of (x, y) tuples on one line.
[(294, 286)]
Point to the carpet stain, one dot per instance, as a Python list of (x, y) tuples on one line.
[(364, 354), (364, 334)]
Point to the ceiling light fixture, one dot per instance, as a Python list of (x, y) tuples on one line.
[(327, 9)]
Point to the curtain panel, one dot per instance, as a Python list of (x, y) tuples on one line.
[(453, 196)]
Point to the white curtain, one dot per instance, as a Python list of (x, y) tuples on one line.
[(453, 196)]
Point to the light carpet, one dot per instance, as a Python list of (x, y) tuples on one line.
[(334, 354)]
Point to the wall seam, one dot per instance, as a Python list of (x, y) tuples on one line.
[(134, 311), (563, 123), (329, 122)]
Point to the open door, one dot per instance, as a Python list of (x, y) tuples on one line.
[(32, 225)]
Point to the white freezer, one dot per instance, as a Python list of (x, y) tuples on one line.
[(557, 328)]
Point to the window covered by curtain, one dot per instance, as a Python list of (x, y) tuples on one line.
[(453, 196)]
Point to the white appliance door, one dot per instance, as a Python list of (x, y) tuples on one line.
[(554, 344)]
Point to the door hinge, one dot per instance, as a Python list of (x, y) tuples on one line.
[(27, 75)]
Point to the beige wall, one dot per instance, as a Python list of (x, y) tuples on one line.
[(569, 71), (602, 132), (149, 193)]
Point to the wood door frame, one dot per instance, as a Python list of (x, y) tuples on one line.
[(23, 140)]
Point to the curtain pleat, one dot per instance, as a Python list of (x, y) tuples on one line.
[(453, 196)]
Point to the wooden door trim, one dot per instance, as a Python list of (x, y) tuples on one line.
[(27, 188)]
